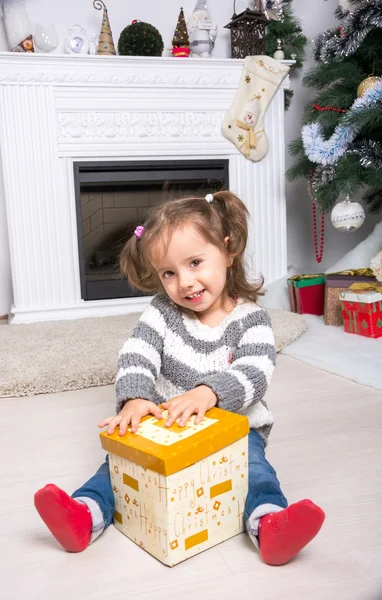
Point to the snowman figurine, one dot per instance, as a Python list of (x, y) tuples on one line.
[(247, 120), (201, 31)]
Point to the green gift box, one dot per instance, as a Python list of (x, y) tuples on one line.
[(307, 293)]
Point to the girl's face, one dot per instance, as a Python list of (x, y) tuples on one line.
[(192, 271)]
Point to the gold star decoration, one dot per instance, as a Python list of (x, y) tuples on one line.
[(174, 544), (233, 498), (247, 79), (189, 514), (218, 523), (242, 475), (240, 138), (172, 499), (243, 453), (214, 463), (263, 90)]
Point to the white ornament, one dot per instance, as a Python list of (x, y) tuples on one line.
[(376, 266), (76, 42), (93, 43), (202, 32), (209, 198), (279, 54), (46, 37), (347, 215)]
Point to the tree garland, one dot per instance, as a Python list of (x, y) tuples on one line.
[(338, 43), (327, 152)]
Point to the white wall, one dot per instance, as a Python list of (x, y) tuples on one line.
[(315, 17)]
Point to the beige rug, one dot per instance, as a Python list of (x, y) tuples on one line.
[(42, 358)]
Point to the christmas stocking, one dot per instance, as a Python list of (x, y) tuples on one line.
[(243, 125)]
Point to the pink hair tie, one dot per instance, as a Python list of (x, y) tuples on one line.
[(139, 230)]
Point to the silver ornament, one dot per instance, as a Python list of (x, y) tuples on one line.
[(347, 216)]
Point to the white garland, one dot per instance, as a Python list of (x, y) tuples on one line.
[(327, 152)]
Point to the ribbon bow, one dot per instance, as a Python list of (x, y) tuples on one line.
[(354, 272), (365, 287)]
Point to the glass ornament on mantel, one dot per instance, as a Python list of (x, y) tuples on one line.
[(347, 215), (46, 37)]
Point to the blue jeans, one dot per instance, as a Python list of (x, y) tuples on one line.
[(263, 485)]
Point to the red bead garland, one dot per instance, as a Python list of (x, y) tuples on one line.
[(317, 253), (334, 108)]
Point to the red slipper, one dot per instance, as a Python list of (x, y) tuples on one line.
[(283, 534), (68, 520)]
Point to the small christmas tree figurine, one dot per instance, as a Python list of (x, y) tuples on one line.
[(180, 41), (106, 43)]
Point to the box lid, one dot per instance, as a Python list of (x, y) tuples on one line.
[(344, 278), (167, 450), (362, 296)]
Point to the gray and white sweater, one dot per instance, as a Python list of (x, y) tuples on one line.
[(170, 353)]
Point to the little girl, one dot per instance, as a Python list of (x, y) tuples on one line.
[(202, 342)]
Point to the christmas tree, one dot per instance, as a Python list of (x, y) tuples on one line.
[(180, 41), (340, 151), (285, 29)]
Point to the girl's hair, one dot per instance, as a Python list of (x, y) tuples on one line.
[(225, 215)]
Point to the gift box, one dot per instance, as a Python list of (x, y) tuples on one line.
[(337, 283), (362, 310), (180, 490), (307, 293)]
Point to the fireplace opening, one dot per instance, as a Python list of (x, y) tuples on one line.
[(112, 198)]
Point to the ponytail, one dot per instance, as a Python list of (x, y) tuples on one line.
[(233, 214)]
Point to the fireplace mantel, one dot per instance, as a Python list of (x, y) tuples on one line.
[(58, 109)]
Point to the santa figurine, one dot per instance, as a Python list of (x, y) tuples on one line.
[(201, 31)]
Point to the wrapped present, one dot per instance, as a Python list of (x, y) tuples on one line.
[(362, 310), (180, 490), (336, 283), (307, 293)]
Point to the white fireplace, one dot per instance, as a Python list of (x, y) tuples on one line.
[(58, 110)]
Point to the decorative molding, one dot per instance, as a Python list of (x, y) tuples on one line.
[(139, 124), (106, 79)]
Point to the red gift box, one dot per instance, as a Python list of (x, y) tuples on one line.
[(307, 293), (362, 310)]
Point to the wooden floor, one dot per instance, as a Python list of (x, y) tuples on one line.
[(326, 445)]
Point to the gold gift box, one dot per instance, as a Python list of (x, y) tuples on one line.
[(180, 490)]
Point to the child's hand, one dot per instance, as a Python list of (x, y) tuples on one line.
[(132, 413), (198, 401)]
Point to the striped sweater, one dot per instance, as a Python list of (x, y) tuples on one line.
[(170, 353)]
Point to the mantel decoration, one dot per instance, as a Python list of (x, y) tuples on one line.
[(248, 31), (140, 39), (46, 37), (202, 31), (76, 42), (180, 41), (17, 26), (105, 42)]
